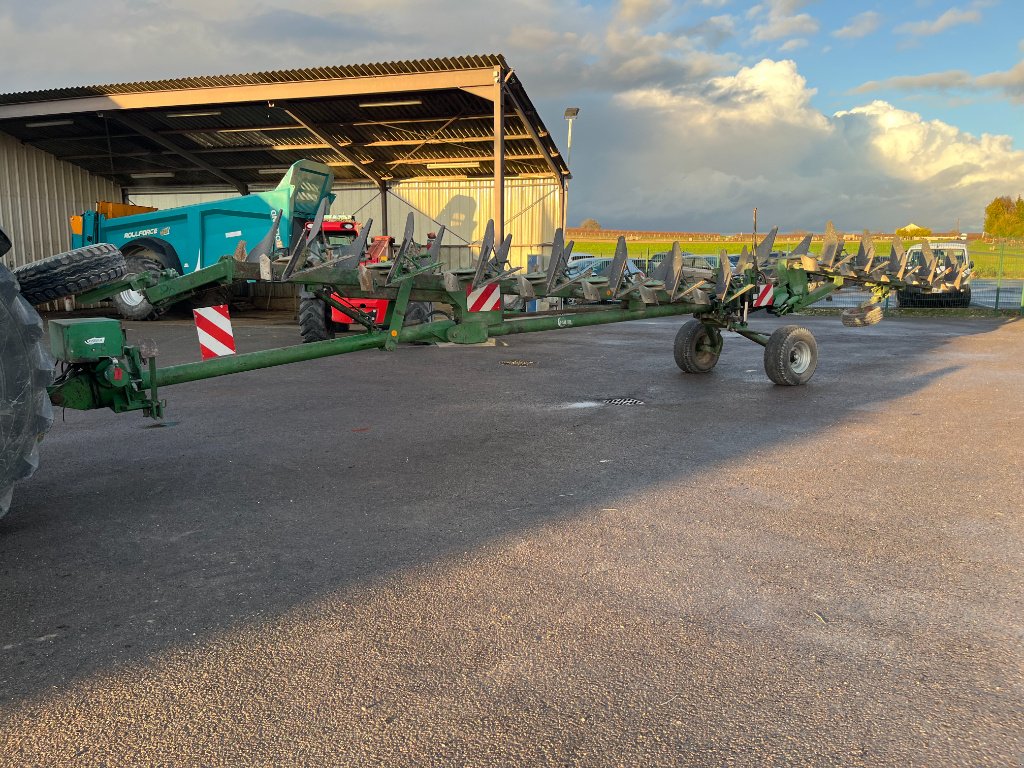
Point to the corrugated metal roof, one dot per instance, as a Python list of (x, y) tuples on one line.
[(249, 139), (311, 74)]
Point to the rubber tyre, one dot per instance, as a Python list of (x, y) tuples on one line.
[(26, 369), (70, 273), (314, 319), (692, 347), (791, 356), (212, 297), (859, 317), (418, 313), (132, 305)]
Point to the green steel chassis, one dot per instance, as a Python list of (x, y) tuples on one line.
[(131, 380)]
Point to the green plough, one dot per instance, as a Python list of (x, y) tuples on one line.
[(125, 377)]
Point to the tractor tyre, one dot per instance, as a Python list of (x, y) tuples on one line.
[(132, 304), (791, 356), (859, 317), (212, 297), (697, 347), (26, 369), (418, 313), (70, 273), (314, 319)]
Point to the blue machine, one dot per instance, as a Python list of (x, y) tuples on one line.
[(195, 236)]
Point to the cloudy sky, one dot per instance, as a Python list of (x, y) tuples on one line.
[(873, 114)]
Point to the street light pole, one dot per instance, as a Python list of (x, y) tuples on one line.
[(570, 115)]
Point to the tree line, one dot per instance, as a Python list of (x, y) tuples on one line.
[(1004, 217)]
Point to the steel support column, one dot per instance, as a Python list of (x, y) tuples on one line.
[(499, 157), (382, 188)]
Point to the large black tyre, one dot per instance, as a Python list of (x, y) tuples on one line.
[(864, 315), (133, 305), (791, 356), (26, 369), (314, 319), (212, 297), (418, 312), (71, 272), (697, 347)]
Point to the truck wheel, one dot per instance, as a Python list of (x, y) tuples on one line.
[(71, 272), (26, 369), (697, 347), (314, 319), (791, 356), (858, 317), (133, 305)]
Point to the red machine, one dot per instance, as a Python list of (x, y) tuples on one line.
[(339, 232)]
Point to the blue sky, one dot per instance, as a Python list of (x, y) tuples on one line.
[(871, 114)]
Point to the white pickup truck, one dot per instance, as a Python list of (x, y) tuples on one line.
[(951, 254)]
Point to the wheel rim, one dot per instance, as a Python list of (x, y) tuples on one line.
[(704, 352), (800, 357), (132, 298)]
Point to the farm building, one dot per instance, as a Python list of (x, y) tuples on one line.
[(454, 141)]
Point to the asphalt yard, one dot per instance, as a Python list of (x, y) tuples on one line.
[(436, 557)]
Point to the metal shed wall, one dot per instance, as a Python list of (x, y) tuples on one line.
[(38, 193), (532, 206)]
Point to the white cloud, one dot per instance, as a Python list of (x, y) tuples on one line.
[(673, 132), (754, 138), (923, 150), (642, 11), (941, 81), (781, 20), (714, 31), (1010, 82), (954, 17), (859, 26), (792, 45)]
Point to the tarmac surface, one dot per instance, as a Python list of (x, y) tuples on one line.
[(429, 557)]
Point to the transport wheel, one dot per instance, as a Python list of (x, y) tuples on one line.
[(858, 317), (791, 356), (697, 347), (71, 272), (314, 319), (26, 369), (133, 305)]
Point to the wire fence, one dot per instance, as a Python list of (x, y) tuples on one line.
[(996, 283)]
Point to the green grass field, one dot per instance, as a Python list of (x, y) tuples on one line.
[(986, 260)]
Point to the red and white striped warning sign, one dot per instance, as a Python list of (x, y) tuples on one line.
[(764, 296), (214, 327), (484, 299)]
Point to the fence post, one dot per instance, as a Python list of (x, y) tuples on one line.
[(999, 273)]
